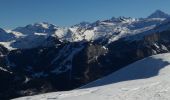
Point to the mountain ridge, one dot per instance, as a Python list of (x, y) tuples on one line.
[(112, 29)]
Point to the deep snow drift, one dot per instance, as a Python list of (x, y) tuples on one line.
[(147, 79)]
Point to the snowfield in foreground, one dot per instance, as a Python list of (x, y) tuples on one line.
[(147, 79)]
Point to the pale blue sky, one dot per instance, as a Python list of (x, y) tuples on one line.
[(14, 13)]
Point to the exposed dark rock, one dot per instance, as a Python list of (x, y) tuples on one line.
[(70, 65)]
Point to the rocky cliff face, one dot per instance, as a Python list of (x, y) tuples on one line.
[(70, 65)]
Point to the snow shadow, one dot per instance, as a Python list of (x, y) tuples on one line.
[(146, 68)]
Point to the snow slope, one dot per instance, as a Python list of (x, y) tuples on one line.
[(147, 79)]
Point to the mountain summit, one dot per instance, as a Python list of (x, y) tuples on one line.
[(159, 14)]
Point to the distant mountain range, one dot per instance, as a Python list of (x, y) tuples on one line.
[(43, 57)]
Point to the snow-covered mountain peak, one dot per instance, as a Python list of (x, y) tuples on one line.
[(29, 36), (83, 24), (42, 27), (45, 25), (123, 19), (159, 14), (36, 27)]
